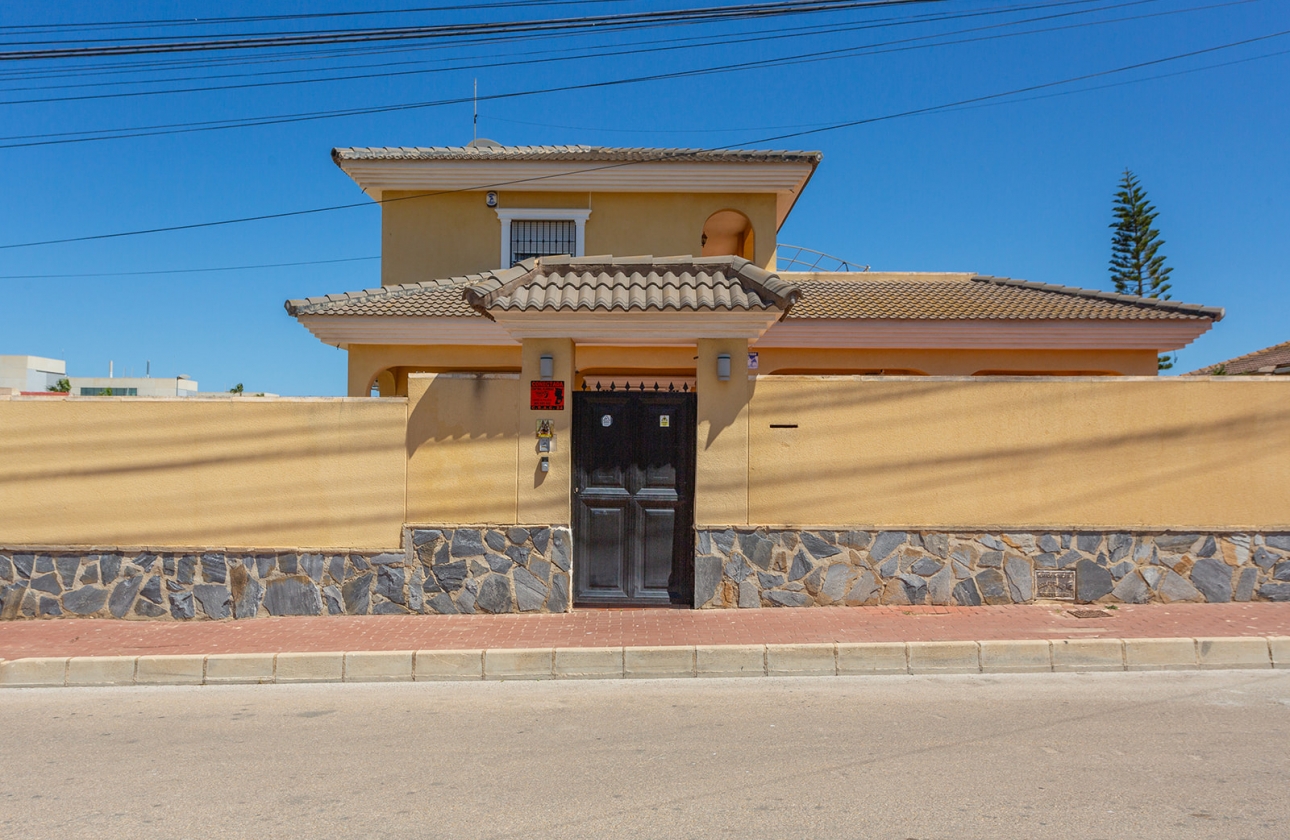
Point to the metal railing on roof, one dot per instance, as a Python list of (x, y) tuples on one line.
[(797, 258)]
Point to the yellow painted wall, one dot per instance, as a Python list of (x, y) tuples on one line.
[(957, 362), (721, 461), (671, 224), (368, 360), (430, 237), (436, 237), (185, 472), (544, 497), (1061, 453), (462, 448)]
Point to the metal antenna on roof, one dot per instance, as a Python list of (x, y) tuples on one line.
[(474, 123)]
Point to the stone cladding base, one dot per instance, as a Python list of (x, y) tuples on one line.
[(768, 567), (445, 570), (494, 570)]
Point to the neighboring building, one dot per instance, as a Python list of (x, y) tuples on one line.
[(1270, 361), (133, 386), (30, 374), (37, 375)]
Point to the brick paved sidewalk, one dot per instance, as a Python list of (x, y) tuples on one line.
[(613, 628)]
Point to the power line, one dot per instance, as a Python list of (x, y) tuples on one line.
[(675, 43), (48, 139), (169, 22), (746, 11), (680, 155), (181, 270), (622, 50)]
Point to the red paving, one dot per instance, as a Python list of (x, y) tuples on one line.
[(613, 628)]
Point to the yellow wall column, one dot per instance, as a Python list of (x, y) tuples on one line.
[(544, 497), (721, 475)]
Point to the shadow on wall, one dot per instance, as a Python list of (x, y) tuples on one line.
[(939, 453), (169, 473)]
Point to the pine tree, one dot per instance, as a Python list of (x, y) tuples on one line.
[(1137, 266)]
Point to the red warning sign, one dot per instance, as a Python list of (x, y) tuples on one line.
[(546, 396)]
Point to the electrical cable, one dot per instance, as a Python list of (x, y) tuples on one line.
[(48, 139), (618, 50), (680, 155), (183, 270), (675, 43), (745, 11)]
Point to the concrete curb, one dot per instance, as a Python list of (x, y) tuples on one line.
[(842, 659)]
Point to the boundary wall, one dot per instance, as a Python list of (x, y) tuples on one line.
[(846, 490)]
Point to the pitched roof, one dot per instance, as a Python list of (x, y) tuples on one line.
[(433, 298), (1269, 360), (572, 153), (715, 283), (882, 295), (633, 284)]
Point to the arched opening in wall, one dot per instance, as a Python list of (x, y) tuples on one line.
[(728, 233), (383, 384), (848, 372), (393, 382), (1047, 373)]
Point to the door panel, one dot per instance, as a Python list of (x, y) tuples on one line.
[(606, 536), (633, 497), (658, 541)]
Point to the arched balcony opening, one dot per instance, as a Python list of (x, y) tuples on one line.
[(728, 233)]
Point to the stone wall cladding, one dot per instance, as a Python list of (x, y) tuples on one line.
[(528, 573), (768, 567), (491, 570)]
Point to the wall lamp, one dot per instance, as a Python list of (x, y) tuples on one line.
[(546, 367), (723, 367)]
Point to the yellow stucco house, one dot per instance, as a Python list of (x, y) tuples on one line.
[(585, 382), (585, 337)]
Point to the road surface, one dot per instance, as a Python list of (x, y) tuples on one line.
[(1157, 755)]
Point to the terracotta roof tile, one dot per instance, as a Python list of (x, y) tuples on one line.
[(1267, 361), (880, 295), (635, 284), (435, 298), (711, 283), (570, 153)]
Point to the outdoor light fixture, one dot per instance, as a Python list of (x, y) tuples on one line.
[(723, 367), (546, 367)]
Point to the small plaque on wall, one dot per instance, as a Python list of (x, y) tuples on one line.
[(546, 396), (1055, 584)]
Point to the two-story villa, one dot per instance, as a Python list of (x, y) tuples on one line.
[(614, 309)]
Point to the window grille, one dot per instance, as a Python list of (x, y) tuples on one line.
[(542, 238)]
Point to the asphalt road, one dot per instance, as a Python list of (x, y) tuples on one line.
[(1100, 755)]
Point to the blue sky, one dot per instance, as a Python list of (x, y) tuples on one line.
[(1021, 187)]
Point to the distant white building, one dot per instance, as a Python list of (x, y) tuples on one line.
[(30, 373), (34, 374), (133, 386)]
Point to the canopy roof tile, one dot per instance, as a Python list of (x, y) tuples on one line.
[(630, 284), (732, 283), (939, 297), (1268, 361), (571, 153)]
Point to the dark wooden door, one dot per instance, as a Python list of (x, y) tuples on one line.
[(633, 497)]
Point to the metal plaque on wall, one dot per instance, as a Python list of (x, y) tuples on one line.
[(1055, 584)]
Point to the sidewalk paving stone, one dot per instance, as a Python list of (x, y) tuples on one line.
[(602, 628)]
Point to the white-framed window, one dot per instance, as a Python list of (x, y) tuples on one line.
[(536, 232)]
